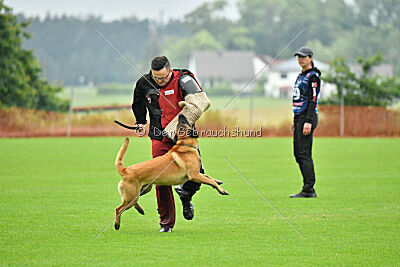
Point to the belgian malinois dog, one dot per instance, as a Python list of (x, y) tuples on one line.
[(180, 164)]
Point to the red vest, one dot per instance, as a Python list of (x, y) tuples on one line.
[(170, 96)]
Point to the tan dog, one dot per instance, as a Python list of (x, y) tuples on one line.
[(180, 164)]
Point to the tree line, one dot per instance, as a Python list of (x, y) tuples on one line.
[(69, 47), (20, 82)]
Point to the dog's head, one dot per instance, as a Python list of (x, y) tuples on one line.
[(184, 129)]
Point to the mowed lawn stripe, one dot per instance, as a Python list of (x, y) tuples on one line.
[(57, 194)]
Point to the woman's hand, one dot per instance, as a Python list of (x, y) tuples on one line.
[(307, 128)]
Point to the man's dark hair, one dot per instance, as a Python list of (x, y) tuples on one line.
[(159, 63)]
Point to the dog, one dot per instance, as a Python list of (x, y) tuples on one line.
[(180, 164)]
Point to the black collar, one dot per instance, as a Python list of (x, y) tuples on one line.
[(187, 146)]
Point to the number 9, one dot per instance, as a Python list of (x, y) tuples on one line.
[(296, 93)]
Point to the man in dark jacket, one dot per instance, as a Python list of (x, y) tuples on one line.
[(165, 93), (305, 101)]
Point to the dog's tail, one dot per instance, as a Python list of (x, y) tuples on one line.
[(120, 157)]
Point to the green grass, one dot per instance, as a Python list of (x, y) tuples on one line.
[(86, 96), (57, 194), (243, 102), (396, 105), (267, 111)]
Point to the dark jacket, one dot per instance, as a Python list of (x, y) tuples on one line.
[(145, 98), (307, 98)]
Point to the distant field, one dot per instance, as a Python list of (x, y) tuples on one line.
[(85, 96), (267, 111), (57, 194)]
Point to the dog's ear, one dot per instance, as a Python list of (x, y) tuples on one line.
[(182, 119), (194, 133)]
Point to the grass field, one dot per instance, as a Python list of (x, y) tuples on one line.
[(57, 194), (267, 111), (86, 96)]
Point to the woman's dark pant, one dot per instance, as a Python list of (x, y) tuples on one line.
[(302, 145)]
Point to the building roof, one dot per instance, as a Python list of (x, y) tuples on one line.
[(224, 65)]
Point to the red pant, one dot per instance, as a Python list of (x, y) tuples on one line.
[(165, 196)]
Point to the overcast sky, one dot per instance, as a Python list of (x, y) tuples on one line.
[(112, 10)]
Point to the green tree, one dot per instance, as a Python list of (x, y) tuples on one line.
[(377, 12), (373, 26), (362, 89), (272, 24), (238, 38), (20, 83), (68, 47), (178, 51), (207, 17), (153, 49)]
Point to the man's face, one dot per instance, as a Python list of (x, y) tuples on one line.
[(304, 61), (161, 77)]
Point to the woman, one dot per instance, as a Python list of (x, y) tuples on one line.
[(305, 100)]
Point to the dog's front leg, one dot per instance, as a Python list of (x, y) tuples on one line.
[(200, 178), (209, 177)]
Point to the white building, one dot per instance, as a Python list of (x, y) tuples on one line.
[(238, 67), (282, 76)]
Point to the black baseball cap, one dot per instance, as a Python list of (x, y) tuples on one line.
[(304, 51)]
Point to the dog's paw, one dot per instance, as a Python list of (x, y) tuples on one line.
[(139, 209), (223, 192), (116, 226), (218, 181)]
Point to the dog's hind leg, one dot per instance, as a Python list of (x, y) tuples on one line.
[(118, 212), (130, 197), (145, 189), (139, 209), (121, 190)]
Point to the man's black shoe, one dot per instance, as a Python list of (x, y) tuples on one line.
[(186, 198), (188, 210), (304, 195)]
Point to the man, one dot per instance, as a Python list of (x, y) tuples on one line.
[(166, 93), (305, 100)]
